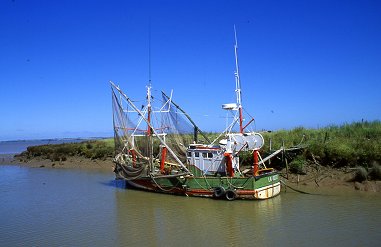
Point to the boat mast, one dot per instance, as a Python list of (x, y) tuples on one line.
[(149, 129), (149, 80), (149, 107), (149, 110), (238, 83)]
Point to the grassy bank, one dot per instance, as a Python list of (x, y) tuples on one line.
[(355, 145), (94, 149)]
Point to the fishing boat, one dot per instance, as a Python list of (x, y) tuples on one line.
[(159, 148)]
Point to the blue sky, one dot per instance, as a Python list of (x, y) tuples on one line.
[(302, 63)]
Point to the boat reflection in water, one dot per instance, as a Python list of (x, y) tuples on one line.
[(157, 219)]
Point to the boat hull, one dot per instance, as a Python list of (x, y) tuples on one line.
[(230, 188)]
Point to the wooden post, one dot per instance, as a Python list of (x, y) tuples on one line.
[(286, 168), (283, 151)]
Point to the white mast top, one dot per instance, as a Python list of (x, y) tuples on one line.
[(238, 105), (237, 80)]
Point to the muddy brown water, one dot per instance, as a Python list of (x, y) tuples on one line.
[(65, 207), (82, 207)]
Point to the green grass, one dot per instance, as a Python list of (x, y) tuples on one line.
[(355, 145), (94, 149)]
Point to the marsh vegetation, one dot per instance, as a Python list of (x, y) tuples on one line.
[(356, 145)]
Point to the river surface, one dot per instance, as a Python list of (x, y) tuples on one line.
[(78, 207)]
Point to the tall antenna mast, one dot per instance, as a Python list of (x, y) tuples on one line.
[(149, 78), (149, 110), (149, 53), (238, 83)]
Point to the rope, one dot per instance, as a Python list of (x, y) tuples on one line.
[(236, 187), (300, 191), (153, 179), (201, 185)]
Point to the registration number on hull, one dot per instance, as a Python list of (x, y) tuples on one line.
[(273, 178)]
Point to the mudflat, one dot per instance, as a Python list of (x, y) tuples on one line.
[(316, 180), (72, 162)]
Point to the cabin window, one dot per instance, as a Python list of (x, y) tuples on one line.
[(196, 154), (207, 155), (189, 154)]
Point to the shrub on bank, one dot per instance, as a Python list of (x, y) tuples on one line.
[(356, 144), (96, 149), (297, 165)]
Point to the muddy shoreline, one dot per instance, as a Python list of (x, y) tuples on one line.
[(73, 162), (324, 179), (328, 180)]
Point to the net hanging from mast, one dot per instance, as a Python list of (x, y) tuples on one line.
[(139, 145)]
